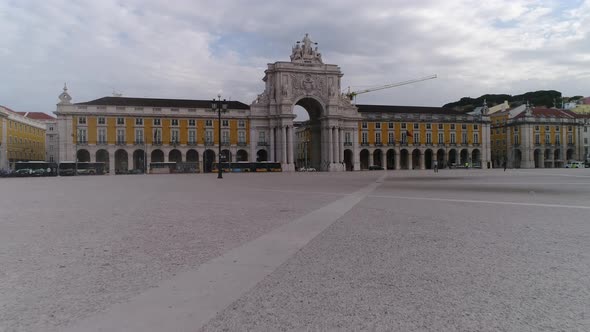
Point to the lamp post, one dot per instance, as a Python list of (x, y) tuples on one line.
[(219, 106)]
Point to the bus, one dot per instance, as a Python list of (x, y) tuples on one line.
[(84, 168), (35, 168), (174, 167)]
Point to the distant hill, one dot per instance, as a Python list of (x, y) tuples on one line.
[(536, 98)]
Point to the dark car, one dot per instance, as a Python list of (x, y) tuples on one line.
[(375, 168), (23, 172)]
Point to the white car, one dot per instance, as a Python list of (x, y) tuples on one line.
[(575, 164)]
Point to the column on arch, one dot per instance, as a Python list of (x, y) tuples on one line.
[(272, 144), (422, 160), (284, 144), (290, 144), (397, 158), (355, 149), (111, 162), (330, 145), (340, 144), (253, 143), (335, 145)]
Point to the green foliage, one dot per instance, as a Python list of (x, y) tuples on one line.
[(536, 98)]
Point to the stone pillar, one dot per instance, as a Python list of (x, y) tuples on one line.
[(272, 144), (253, 144), (335, 145), (111, 163), (330, 145), (4, 146), (355, 150), (542, 158), (340, 144), (397, 159), (291, 147), (167, 153), (410, 160), (284, 144), (422, 160)]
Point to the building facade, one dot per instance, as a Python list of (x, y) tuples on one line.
[(535, 137), (22, 138)]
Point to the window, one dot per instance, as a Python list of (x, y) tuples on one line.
[(225, 123), (378, 138), (209, 136), (102, 136), (191, 122), (139, 136), (464, 126), (261, 136), (120, 136), (416, 126), (377, 125), (82, 120), (241, 137), (475, 127), (157, 122), (516, 140), (537, 128), (404, 125), (441, 138), (157, 136), (192, 135), (585, 129), (546, 128), (515, 129), (440, 126), (570, 128), (428, 126), (390, 138), (429, 138), (51, 159), (570, 139), (241, 124), (347, 138), (174, 136), (453, 140), (138, 121), (452, 126), (557, 140), (416, 138), (475, 138), (174, 109), (364, 138), (120, 121), (155, 109), (174, 122), (209, 123), (225, 137), (464, 138), (547, 139), (101, 121), (585, 140), (556, 128), (82, 136), (390, 125), (537, 139), (364, 125)]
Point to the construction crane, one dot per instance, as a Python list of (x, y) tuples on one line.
[(352, 94)]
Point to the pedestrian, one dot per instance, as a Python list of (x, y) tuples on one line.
[(504, 165), (436, 166)]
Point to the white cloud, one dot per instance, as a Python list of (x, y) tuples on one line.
[(188, 49)]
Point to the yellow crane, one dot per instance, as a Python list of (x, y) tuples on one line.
[(352, 94)]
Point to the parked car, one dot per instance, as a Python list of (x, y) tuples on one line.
[(23, 172), (375, 168), (575, 164), (38, 172)]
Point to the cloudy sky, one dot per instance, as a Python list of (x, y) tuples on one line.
[(195, 48)]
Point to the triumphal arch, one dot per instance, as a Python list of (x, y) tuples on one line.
[(310, 83)]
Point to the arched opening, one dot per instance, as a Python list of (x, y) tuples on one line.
[(139, 160), (242, 155), (464, 157), (416, 159), (452, 158), (261, 155), (175, 156), (548, 158), (364, 159), (404, 159), (428, 161), (83, 156), (157, 156), (517, 158), (192, 156), (348, 160), (570, 155), (476, 158), (102, 156), (537, 155), (310, 133), (377, 158), (226, 156), (390, 159), (440, 157), (557, 158), (208, 160), (121, 161)]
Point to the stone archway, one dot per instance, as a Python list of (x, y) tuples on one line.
[(517, 158), (464, 155), (404, 158), (378, 157), (452, 158), (476, 158), (192, 156), (537, 155), (242, 155), (157, 156), (261, 155), (174, 156), (208, 160), (139, 160), (364, 159), (121, 161), (307, 82), (428, 159), (83, 156), (416, 159), (226, 156), (348, 160), (390, 159), (570, 155), (440, 157), (102, 156)]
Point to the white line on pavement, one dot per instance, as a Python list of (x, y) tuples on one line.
[(189, 300), (481, 202), (300, 192)]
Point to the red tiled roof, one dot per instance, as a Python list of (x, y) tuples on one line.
[(39, 116), (586, 101), (549, 112)]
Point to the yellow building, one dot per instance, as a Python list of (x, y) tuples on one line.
[(535, 137), (134, 133), (21, 138)]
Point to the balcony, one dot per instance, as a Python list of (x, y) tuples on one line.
[(82, 142), (139, 142), (157, 142), (441, 144), (475, 144), (101, 142), (347, 143), (226, 143), (570, 144), (261, 144), (191, 143), (209, 143), (242, 144), (378, 144), (404, 143), (174, 142), (390, 143), (364, 144), (120, 142)]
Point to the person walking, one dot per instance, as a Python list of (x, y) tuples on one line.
[(504, 165), (436, 166)]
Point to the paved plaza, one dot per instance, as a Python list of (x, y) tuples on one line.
[(460, 250)]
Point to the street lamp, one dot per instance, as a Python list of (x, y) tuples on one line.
[(219, 106)]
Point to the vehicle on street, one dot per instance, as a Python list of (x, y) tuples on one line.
[(375, 168), (575, 164)]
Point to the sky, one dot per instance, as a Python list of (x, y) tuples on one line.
[(195, 49)]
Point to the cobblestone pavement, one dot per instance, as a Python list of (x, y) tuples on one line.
[(460, 250)]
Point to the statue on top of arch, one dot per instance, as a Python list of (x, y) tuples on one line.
[(306, 53)]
